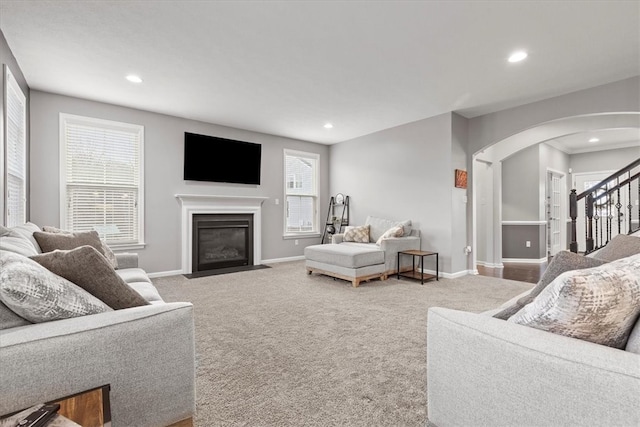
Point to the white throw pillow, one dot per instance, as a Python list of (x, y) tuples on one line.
[(357, 234), (396, 231)]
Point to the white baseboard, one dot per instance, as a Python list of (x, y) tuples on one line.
[(524, 260), (443, 275), (276, 260), (164, 273), (489, 265)]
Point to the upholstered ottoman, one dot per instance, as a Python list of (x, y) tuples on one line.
[(353, 262)]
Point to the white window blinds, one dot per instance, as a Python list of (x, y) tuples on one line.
[(16, 163), (301, 192), (101, 175)]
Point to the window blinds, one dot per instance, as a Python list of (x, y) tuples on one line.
[(16, 172), (301, 171), (102, 178)]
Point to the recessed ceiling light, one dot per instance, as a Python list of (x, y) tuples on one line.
[(594, 140), (518, 56), (328, 125), (134, 79)]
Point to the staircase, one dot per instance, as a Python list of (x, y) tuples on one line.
[(606, 212)]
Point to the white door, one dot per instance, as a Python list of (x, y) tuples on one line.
[(584, 181), (554, 213)]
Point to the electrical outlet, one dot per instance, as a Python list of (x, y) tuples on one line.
[(295, 242), (277, 201), (527, 243)]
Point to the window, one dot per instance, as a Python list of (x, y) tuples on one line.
[(301, 192), (101, 173), (16, 154)]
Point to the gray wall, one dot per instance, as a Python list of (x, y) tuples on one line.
[(520, 186), (603, 160), (459, 143), (163, 157), (6, 57), (514, 238), (407, 172)]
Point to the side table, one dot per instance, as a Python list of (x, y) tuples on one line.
[(418, 275)]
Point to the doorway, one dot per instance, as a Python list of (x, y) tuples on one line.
[(556, 190)]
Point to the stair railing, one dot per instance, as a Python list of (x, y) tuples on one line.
[(604, 209)]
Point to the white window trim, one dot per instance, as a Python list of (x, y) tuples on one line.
[(300, 234), (71, 118), (11, 83)]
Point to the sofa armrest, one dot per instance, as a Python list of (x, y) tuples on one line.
[(486, 371), (337, 238), (127, 260), (392, 246), (145, 353)]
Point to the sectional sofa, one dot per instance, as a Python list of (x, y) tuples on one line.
[(146, 354)]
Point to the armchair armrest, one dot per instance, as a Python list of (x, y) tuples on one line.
[(486, 371), (392, 246), (127, 260)]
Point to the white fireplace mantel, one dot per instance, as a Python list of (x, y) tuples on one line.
[(205, 204)]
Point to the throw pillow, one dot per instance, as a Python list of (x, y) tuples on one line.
[(36, 294), (357, 234), (8, 319), (621, 246), (87, 268), (561, 262), (106, 250), (12, 241), (27, 230), (396, 231), (599, 304)]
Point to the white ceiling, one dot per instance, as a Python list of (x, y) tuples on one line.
[(607, 139), (288, 67)]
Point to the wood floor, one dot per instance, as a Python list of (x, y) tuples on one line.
[(514, 271)]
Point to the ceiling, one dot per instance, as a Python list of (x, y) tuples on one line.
[(288, 67), (597, 140)]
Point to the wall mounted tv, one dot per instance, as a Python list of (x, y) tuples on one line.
[(209, 158)]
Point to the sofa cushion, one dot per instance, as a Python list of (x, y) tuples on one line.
[(38, 295), (561, 262), (15, 242), (8, 319), (621, 246), (396, 231), (65, 241), (147, 291), (27, 230), (599, 304), (358, 234), (378, 226), (130, 275), (633, 343), (106, 250), (89, 269), (349, 255)]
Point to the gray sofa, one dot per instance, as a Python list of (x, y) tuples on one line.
[(145, 353), (357, 262), (485, 371)]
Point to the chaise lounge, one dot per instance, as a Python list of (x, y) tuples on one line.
[(358, 261)]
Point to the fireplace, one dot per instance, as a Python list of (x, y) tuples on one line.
[(221, 241), (204, 204)]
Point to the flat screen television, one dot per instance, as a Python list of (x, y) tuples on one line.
[(209, 158)]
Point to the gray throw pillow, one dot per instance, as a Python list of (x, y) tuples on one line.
[(599, 304), (561, 262), (37, 295), (106, 250), (90, 270), (621, 246), (66, 241)]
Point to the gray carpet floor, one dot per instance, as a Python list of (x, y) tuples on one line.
[(277, 347)]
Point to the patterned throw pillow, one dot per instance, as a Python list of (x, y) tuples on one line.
[(599, 304), (36, 294), (561, 262), (396, 231), (357, 234)]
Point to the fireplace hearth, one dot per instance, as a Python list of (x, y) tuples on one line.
[(221, 241)]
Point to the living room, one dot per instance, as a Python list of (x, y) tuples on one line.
[(399, 163)]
